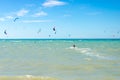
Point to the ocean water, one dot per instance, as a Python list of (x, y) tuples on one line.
[(91, 59)]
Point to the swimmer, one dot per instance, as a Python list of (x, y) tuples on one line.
[(74, 46)]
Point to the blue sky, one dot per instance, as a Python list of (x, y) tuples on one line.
[(71, 18)]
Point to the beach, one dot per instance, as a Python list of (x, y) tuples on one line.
[(57, 59)]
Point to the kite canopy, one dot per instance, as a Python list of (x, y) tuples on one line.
[(54, 29), (5, 32), (16, 19), (39, 31)]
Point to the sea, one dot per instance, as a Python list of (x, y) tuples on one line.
[(57, 59)]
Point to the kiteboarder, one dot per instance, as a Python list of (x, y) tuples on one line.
[(74, 46)]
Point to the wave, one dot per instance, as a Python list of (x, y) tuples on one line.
[(81, 50), (88, 52), (16, 41)]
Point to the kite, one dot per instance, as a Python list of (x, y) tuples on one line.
[(39, 31), (5, 32), (54, 30), (16, 19)]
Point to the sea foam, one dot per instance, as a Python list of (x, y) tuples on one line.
[(26, 77), (88, 52)]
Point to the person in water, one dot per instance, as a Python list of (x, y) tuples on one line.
[(74, 46)]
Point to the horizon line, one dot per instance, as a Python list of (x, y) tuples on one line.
[(53, 38)]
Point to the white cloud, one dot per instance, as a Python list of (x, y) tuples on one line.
[(6, 18), (2, 19), (41, 13), (22, 12), (35, 21), (9, 17), (52, 3)]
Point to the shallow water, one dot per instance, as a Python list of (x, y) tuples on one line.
[(89, 60)]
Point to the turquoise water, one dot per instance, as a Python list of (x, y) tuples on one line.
[(91, 59)]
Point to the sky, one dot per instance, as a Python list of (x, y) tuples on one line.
[(71, 19)]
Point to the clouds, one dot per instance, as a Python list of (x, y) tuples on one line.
[(9, 17), (52, 3), (39, 14), (5, 18), (22, 12), (34, 12), (2, 19), (19, 13)]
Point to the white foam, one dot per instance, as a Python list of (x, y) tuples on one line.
[(87, 51), (81, 50), (95, 55), (16, 41), (40, 77), (29, 76), (88, 59)]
